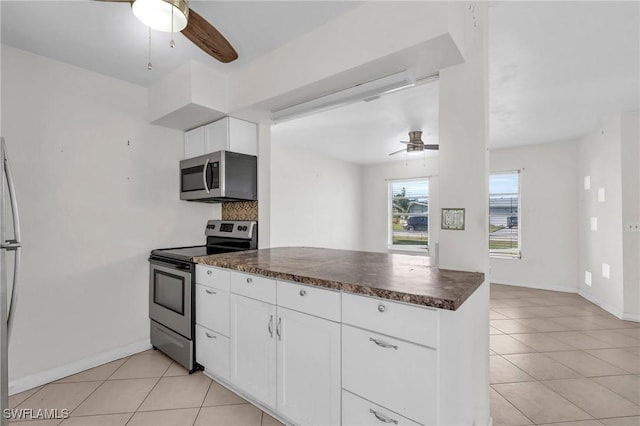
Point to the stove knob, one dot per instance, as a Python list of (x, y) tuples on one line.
[(239, 228)]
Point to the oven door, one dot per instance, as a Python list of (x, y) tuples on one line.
[(170, 292), (201, 177)]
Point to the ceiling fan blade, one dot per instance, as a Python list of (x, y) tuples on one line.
[(206, 37), (398, 152), (432, 146)]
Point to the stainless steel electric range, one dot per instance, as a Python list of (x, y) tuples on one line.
[(172, 284)]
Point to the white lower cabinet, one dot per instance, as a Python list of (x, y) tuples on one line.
[(357, 411), (253, 348), (308, 368), (212, 351), (396, 374)]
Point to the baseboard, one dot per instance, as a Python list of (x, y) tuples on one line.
[(48, 376), (631, 317), (613, 311), (536, 286)]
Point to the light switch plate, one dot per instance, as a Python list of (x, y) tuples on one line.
[(587, 278), (594, 223), (606, 271), (587, 182), (601, 195)]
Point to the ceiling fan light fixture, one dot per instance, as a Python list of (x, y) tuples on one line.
[(162, 15)]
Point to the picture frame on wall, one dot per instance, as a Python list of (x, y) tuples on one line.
[(452, 218)]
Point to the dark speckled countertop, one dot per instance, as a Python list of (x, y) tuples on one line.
[(411, 279)]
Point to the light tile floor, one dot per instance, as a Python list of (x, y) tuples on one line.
[(555, 358), (146, 389)]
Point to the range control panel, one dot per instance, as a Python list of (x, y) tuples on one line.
[(242, 229)]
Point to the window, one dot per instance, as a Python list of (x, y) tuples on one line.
[(409, 207), (504, 214)]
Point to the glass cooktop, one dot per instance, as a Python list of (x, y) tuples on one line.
[(188, 253)]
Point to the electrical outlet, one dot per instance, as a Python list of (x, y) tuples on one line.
[(587, 278), (594, 223), (587, 182), (632, 227)]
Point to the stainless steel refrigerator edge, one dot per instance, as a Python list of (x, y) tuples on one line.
[(7, 310)]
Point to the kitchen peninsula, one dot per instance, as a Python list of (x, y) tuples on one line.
[(323, 336)]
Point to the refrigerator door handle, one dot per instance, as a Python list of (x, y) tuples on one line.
[(14, 292), (14, 244)]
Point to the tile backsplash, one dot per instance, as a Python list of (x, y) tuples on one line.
[(240, 210)]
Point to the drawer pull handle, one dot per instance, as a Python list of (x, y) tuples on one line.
[(270, 326), (210, 336), (209, 272), (210, 291), (382, 417), (382, 308), (303, 292), (249, 280), (383, 344)]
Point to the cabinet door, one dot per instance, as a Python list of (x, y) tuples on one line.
[(212, 352), (253, 348), (243, 136), (194, 141), (308, 368), (212, 309), (217, 136)]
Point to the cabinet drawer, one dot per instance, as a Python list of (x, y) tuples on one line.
[(398, 375), (212, 309), (212, 352), (213, 277), (406, 322), (253, 286), (360, 412), (309, 300)]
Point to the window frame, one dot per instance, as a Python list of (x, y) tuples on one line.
[(502, 253), (417, 248)]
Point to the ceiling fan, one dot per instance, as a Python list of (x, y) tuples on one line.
[(415, 144), (175, 15)]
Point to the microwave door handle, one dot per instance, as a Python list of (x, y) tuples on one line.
[(204, 176)]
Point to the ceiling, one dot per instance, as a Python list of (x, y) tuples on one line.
[(107, 38), (557, 69)]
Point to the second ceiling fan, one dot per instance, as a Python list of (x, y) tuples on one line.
[(175, 15), (415, 144)]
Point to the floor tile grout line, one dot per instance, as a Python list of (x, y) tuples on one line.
[(511, 404)]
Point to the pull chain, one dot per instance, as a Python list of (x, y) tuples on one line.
[(172, 43), (149, 64)]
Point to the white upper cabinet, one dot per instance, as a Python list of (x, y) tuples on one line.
[(228, 134), (194, 142)]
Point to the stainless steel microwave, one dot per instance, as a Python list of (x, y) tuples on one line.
[(219, 176)]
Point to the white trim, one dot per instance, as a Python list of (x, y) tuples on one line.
[(613, 311), (57, 373), (631, 317), (537, 286)]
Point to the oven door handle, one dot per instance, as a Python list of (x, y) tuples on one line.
[(185, 268)]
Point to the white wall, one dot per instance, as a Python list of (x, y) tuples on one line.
[(315, 199), (548, 225), (599, 158), (375, 199), (463, 183), (98, 189), (630, 150)]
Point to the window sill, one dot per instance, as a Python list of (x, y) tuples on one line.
[(505, 256)]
